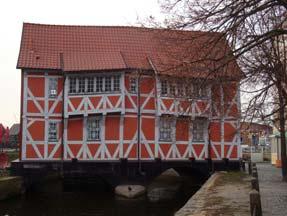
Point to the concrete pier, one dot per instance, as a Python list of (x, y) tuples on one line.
[(130, 191), (164, 187)]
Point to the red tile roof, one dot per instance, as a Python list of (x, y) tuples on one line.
[(87, 48)]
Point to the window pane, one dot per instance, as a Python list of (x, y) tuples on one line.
[(133, 85), (164, 87), (165, 129), (52, 131), (180, 89), (81, 84), (108, 84), (53, 86), (172, 88), (199, 129), (72, 85), (90, 84), (116, 83), (99, 84), (196, 90), (93, 128)]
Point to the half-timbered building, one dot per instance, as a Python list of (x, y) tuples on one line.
[(94, 93)]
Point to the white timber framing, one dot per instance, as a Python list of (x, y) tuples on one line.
[(24, 114)]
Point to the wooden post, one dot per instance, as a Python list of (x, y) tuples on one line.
[(243, 166), (255, 183), (254, 174), (255, 203), (249, 168)]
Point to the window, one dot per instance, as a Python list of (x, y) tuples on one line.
[(133, 85), (200, 90), (99, 84), (81, 81), (188, 90), (165, 128), (204, 91), (180, 89), (90, 84), (164, 87), (53, 86), (117, 83), (199, 129), (53, 132), (72, 85), (196, 90), (108, 84), (94, 128), (172, 89)]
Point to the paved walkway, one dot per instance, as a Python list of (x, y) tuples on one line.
[(273, 191), (225, 194)]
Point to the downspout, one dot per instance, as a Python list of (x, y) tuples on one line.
[(63, 114), (139, 124)]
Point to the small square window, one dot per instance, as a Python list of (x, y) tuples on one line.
[(53, 87), (53, 132)]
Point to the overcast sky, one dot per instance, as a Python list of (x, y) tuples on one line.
[(71, 12)]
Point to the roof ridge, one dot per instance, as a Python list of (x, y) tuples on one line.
[(119, 26)]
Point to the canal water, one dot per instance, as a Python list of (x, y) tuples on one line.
[(50, 200)]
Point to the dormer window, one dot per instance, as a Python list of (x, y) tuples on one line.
[(183, 88), (94, 84)]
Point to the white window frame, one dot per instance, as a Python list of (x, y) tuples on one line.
[(199, 125), (82, 85), (79, 85), (72, 85), (94, 125), (133, 85), (108, 83), (53, 131), (166, 124), (99, 84), (90, 84), (53, 87), (164, 87), (117, 83)]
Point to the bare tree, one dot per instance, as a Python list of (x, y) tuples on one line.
[(256, 34)]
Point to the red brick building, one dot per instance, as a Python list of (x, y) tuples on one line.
[(95, 93)]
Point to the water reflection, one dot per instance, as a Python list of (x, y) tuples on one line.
[(49, 200)]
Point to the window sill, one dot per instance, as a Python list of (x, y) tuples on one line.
[(94, 93)]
